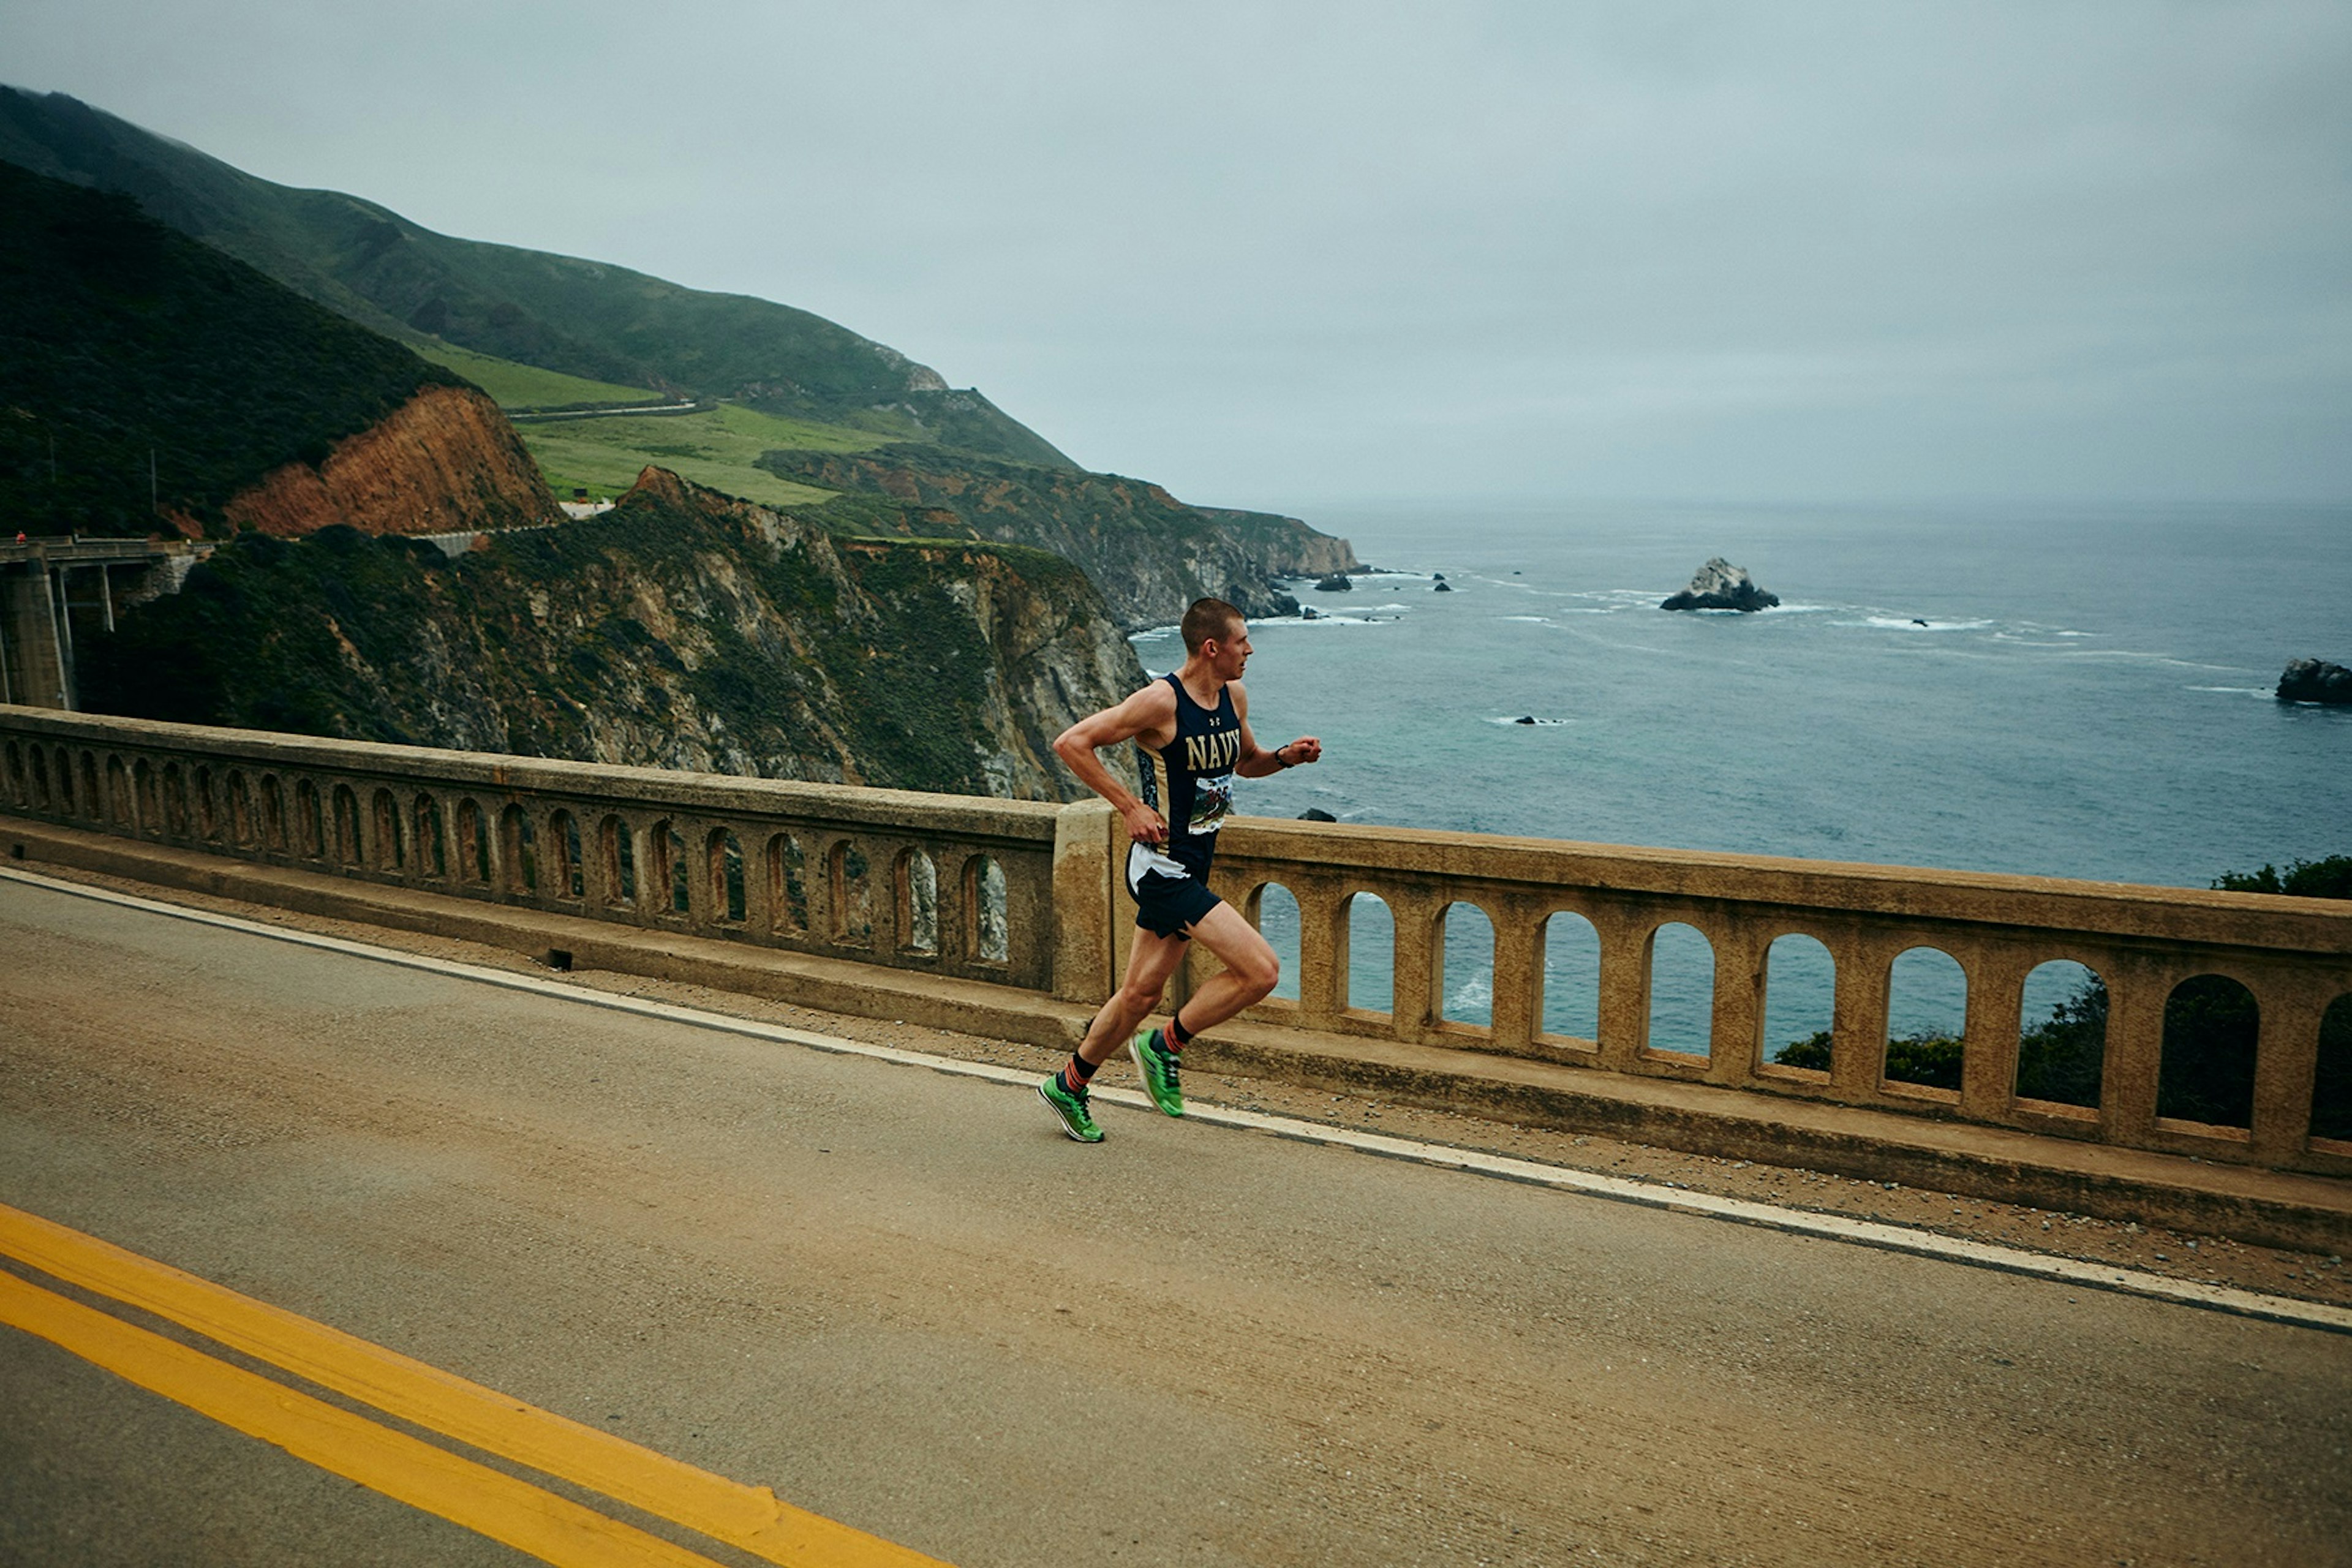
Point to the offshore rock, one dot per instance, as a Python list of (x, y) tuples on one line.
[(1720, 586), (2316, 680), (682, 629), (1337, 582)]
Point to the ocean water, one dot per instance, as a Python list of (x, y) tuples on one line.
[(2067, 692)]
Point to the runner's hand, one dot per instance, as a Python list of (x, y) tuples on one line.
[(1304, 749), (1146, 825)]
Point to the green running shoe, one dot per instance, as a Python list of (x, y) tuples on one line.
[(1070, 1109), (1159, 1069)]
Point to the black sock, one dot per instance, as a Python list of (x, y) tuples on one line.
[(1177, 1035), (1074, 1075)]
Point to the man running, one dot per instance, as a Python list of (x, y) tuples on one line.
[(1192, 729)]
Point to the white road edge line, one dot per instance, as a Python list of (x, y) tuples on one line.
[(1647, 1195)]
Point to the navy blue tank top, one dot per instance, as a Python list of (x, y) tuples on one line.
[(1190, 780)]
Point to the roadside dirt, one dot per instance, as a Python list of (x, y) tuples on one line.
[(2184, 1256)]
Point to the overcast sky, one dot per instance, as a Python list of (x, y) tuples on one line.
[(1281, 254)]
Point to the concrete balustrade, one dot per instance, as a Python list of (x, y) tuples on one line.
[(2294, 955), (1023, 895), (954, 885)]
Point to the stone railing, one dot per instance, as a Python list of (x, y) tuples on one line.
[(950, 884), (1023, 895), (2293, 956)]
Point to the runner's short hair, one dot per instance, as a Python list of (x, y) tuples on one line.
[(1209, 618)]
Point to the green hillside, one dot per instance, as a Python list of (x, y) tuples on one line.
[(526, 386), (582, 319), (720, 448), (121, 337)]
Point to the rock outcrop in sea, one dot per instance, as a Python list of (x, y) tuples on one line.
[(1720, 586), (2316, 680)]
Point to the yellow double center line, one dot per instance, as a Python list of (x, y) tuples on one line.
[(522, 1515)]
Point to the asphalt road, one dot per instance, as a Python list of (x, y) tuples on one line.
[(905, 1301)]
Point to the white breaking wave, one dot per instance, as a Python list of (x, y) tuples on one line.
[(1917, 623)]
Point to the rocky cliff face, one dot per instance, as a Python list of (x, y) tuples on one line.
[(1150, 554), (682, 629), (442, 461)]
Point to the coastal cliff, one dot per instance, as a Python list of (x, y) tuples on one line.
[(445, 460), (150, 384), (682, 629), (1150, 554)]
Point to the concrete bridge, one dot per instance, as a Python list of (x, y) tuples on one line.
[(899, 1298), (39, 581)]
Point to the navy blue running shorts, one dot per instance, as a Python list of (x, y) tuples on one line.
[(1166, 903)]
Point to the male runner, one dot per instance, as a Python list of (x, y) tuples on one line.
[(1192, 729)]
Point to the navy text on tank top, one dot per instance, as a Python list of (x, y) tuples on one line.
[(1190, 780)]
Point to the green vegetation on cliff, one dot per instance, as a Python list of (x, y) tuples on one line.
[(720, 448), (681, 629), (516, 388), (1149, 552), (121, 337), (584, 319)]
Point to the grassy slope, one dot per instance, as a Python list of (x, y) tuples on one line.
[(519, 386), (580, 318), (120, 337), (720, 448)]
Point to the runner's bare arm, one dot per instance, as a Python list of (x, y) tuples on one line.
[(1151, 713), (1256, 763)]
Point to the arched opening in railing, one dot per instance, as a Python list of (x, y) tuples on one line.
[(432, 839), (1370, 932), (1274, 909), (473, 844), (39, 768), (2331, 1086), (273, 812), (988, 904), (123, 810), (2062, 1044), (391, 849), (175, 800), (617, 843), (1927, 1018), (915, 892), (347, 826), (570, 879), (240, 810), (520, 845), (208, 821), (723, 858), (665, 878), (849, 881), (1682, 991), (2210, 1026), (1800, 1004), (310, 824), (1568, 982), (1463, 989), (788, 906), (93, 804), (143, 791), (15, 755)]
